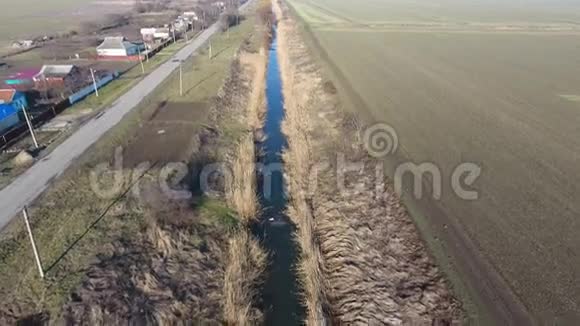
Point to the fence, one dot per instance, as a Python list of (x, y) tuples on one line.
[(91, 88), (17, 132), (14, 134)]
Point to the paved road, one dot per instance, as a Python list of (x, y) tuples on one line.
[(35, 180)]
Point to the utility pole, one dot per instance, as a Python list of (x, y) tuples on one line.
[(173, 29), (180, 79), (210, 55), (36, 256), (145, 44), (238, 13), (225, 14), (95, 82), (30, 126), (141, 61)]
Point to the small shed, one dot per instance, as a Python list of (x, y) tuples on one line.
[(190, 15), (220, 4), (11, 102), (151, 34), (118, 46), (56, 76), (181, 26), (22, 44)]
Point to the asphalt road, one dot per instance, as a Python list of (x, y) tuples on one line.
[(28, 186)]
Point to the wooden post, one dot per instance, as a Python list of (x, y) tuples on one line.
[(36, 256), (180, 79), (141, 60), (95, 82), (146, 51), (238, 13), (29, 123)]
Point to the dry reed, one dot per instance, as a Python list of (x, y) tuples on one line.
[(298, 162)]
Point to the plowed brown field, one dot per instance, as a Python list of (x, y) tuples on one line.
[(497, 86)]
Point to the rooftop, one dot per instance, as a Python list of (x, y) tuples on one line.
[(6, 95), (56, 70), (115, 42)]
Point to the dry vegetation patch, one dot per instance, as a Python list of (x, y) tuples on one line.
[(164, 274), (247, 260)]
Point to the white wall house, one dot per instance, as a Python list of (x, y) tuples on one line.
[(156, 33), (191, 15), (118, 47)]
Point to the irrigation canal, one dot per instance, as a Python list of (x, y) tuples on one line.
[(280, 293)]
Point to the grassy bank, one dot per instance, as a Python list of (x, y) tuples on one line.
[(298, 161), (247, 260), (169, 256)]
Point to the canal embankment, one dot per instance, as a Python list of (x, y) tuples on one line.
[(361, 258)]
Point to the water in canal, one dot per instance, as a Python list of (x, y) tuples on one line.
[(280, 294)]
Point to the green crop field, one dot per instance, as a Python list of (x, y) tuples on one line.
[(496, 85)]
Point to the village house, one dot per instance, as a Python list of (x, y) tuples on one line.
[(220, 5), (190, 15), (22, 44), (181, 26), (155, 34), (57, 77), (11, 102), (119, 47)]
